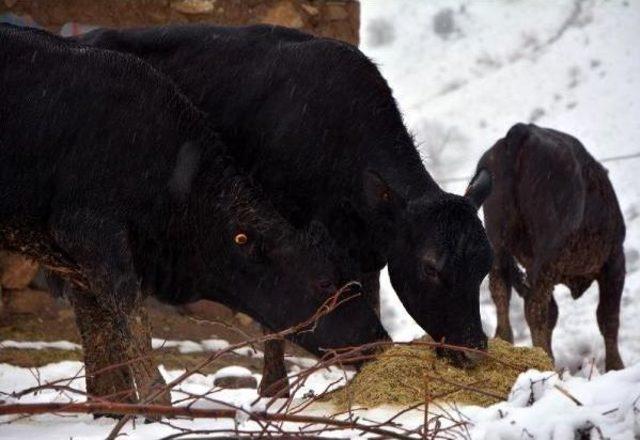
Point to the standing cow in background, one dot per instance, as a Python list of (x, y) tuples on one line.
[(316, 124), (116, 184), (553, 210)]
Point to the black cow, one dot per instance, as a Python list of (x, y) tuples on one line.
[(115, 182), (553, 208), (315, 123)]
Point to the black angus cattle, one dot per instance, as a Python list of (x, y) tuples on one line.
[(114, 181), (553, 210), (315, 123)]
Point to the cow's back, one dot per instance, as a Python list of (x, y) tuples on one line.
[(552, 200), (314, 109), (83, 126)]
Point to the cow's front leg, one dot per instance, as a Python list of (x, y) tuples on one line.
[(110, 315), (108, 375), (274, 373), (118, 368), (371, 289), (536, 310), (146, 375)]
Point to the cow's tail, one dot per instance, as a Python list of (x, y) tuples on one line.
[(517, 278), (516, 136), (514, 140), (512, 275)]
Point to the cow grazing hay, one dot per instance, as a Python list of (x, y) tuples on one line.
[(399, 376)]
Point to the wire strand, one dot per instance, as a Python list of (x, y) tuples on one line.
[(603, 160)]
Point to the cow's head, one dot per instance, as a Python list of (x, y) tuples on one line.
[(238, 250), (283, 276), (437, 259)]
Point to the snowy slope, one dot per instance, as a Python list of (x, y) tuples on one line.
[(464, 72)]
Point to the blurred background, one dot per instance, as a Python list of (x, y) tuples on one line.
[(463, 72)]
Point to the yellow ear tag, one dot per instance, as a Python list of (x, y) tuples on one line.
[(241, 239)]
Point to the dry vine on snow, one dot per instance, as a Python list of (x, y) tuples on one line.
[(275, 416)]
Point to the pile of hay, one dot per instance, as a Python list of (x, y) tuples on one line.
[(401, 374)]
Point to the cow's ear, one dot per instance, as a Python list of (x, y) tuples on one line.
[(379, 194), (479, 188)]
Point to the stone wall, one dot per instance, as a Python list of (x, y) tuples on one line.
[(332, 18), (18, 293)]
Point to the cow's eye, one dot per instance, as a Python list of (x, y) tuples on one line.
[(241, 239), (430, 272)]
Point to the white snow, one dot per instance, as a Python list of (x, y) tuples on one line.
[(214, 344), (572, 65), (608, 407), (575, 69), (39, 345), (608, 403), (249, 352), (198, 390), (185, 346), (206, 345), (233, 371), (189, 347)]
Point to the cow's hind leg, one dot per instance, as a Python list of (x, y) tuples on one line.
[(274, 375), (611, 284), (500, 288), (536, 310)]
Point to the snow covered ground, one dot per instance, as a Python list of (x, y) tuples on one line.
[(463, 72), (542, 405)]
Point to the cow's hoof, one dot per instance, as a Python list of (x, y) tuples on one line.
[(613, 364), (460, 359), (505, 335)]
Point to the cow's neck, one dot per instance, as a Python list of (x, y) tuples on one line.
[(167, 256), (375, 239), (402, 169), (188, 247)]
